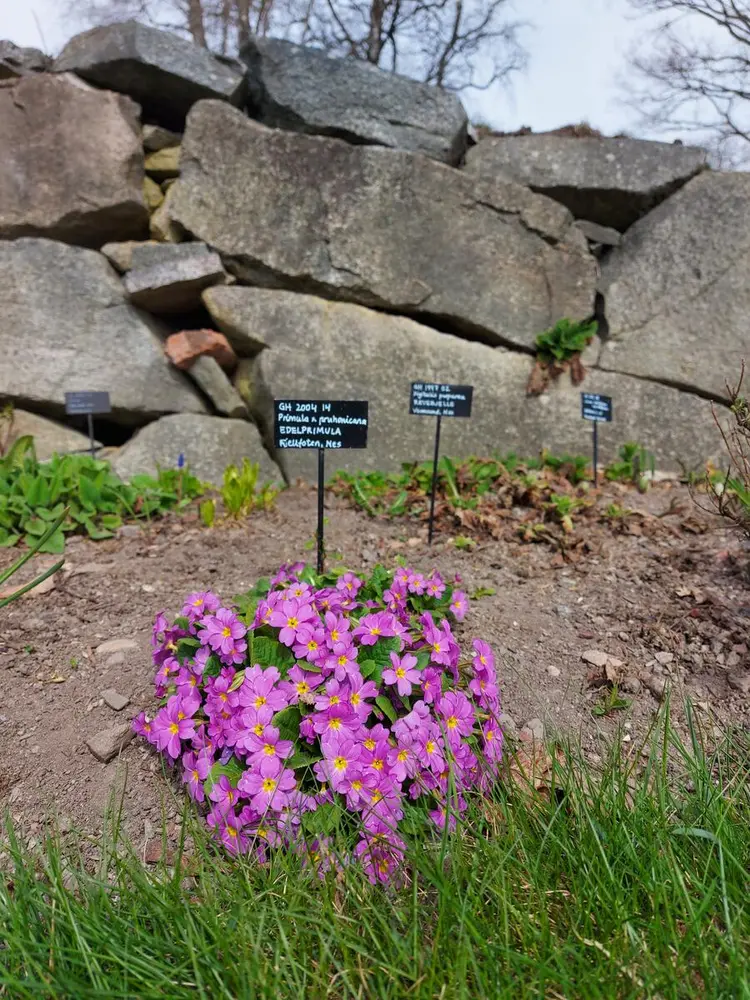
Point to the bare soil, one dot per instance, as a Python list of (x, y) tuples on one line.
[(668, 596)]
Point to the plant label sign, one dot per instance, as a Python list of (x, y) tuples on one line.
[(316, 423), (596, 407), (430, 399), (87, 402)]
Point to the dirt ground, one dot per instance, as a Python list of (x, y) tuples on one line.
[(670, 606)]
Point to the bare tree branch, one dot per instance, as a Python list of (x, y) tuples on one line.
[(456, 44), (693, 73)]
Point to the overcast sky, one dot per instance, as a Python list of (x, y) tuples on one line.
[(577, 48)]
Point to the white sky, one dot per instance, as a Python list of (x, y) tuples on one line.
[(577, 49)]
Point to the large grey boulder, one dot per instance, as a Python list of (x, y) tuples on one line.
[(166, 74), (677, 292), (304, 90), (72, 163), (610, 181), (17, 61), (169, 278), (387, 229), (49, 436), (209, 445), (319, 349), (66, 326)]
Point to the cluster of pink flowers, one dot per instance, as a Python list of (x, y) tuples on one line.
[(324, 698)]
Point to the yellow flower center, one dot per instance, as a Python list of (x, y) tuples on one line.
[(198, 602), (335, 635), (489, 735), (269, 785), (340, 763), (258, 728), (180, 716), (376, 796), (430, 746), (400, 673), (369, 744), (374, 630), (302, 687), (222, 696), (334, 723), (269, 749), (355, 699), (259, 701), (452, 722), (377, 764), (383, 866), (226, 632), (174, 729), (334, 700), (342, 660), (230, 797), (231, 831), (196, 776), (292, 622), (312, 645), (436, 647), (403, 755), (356, 785)]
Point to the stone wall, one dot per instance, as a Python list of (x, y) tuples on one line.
[(199, 235)]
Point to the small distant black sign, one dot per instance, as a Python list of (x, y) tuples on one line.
[(431, 399), (87, 402), (316, 423), (596, 407)]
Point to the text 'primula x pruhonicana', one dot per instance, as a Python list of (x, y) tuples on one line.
[(321, 705)]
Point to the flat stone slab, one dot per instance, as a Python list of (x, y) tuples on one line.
[(165, 73), (610, 181), (169, 278), (115, 700), (303, 89), (108, 743)]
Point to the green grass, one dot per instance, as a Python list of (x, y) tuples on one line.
[(615, 886)]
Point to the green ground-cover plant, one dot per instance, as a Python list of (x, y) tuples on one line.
[(564, 341), (34, 494), (241, 493), (612, 884), (632, 466), (558, 350), (11, 571), (461, 483)]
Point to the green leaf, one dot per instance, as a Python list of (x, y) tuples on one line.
[(371, 671), (287, 722), (55, 543), (303, 759), (386, 707), (272, 653), (208, 513), (7, 539), (423, 659), (111, 521), (212, 667), (186, 649), (35, 526), (380, 653), (89, 494), (324, 820), (233, 770)]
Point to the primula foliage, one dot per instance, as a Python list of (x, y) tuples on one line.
[(322, 705), (34, 495)]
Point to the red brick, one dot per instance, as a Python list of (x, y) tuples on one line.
[(185, 347)]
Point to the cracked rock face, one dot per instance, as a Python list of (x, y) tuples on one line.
[(357, 353), (72, 162), (305, 90), (66, 326), (385, 229), (609, 181), (677, 292)]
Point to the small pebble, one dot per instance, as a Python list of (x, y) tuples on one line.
[(115, 700), (664, 657), (116, 645), (596, 657), (553, 671), (740, 682)]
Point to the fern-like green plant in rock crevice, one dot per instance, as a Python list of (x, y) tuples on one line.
[(558, 350)]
